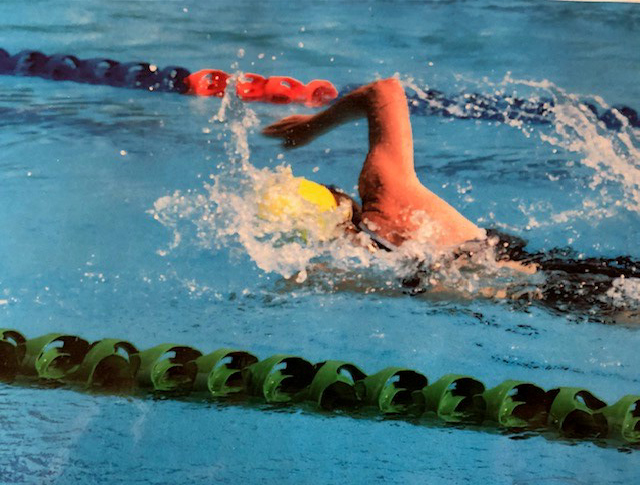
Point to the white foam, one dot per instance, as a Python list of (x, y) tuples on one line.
[(612, 155), (625, 293)]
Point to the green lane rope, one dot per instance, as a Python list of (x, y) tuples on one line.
[(175, 370)]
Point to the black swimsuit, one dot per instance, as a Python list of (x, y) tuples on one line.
[(571, 285)]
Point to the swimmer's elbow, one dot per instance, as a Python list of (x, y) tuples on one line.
[(384, 93), (386, 87), (369, 100), (371, 97), (389, 84)]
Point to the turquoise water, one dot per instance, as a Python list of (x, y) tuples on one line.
[(84, 169)]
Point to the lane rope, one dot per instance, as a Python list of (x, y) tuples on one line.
[(284, 89), (176, 79), (174, 370)]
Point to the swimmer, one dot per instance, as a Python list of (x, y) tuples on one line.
[(388, 185), (392, 196)]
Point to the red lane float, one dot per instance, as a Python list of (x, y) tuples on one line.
[(250, 87), (253, 87), (207, 82)]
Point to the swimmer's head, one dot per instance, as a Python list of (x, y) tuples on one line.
[(297, 197), (300, 205)]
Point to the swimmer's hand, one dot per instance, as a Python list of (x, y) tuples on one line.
[(296, 130)]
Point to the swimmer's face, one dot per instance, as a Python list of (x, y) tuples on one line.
[(353, 211)]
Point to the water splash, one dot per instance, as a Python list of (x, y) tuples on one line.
[(625, 293), (230, 210), (612, 155)]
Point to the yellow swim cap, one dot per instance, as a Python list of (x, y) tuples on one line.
[(295, 205), (316, 194), (296, 198)]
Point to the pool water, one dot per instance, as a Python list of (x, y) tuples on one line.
[(122, 217)]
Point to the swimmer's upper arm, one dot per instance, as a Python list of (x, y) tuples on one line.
[(383, 103), (390, 138)]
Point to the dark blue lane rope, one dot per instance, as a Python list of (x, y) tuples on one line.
[(502, 108), (60, 67), (142, 75)]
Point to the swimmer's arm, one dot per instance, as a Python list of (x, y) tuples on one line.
[(366, 101)]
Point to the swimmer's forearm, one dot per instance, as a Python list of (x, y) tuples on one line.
[(349, 107), (366, 101)]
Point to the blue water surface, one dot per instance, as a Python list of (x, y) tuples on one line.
[(81, 167)]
